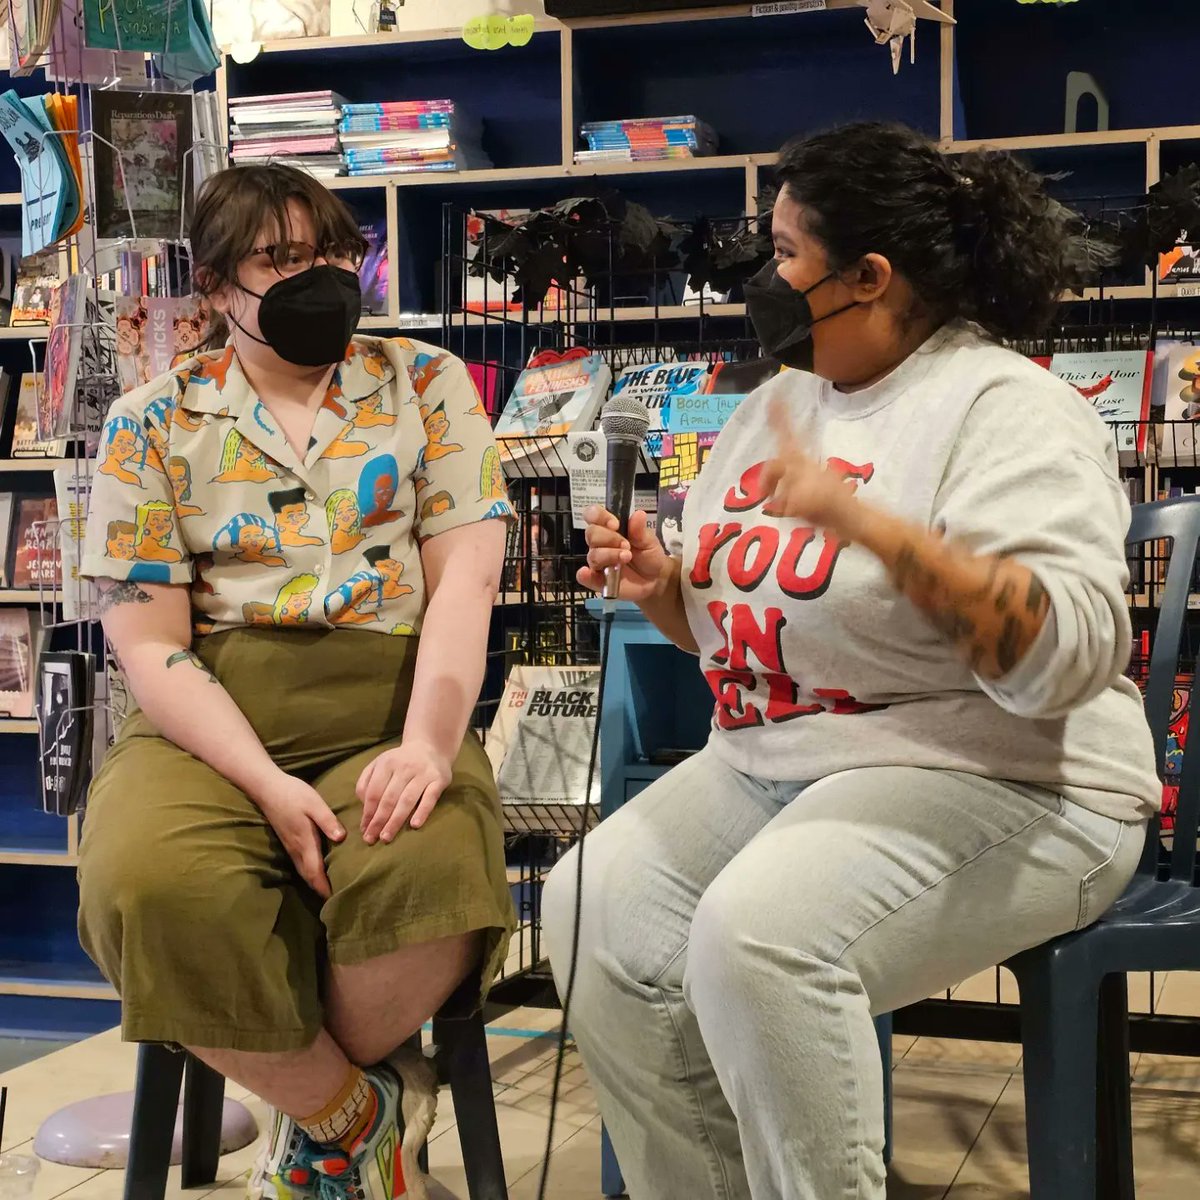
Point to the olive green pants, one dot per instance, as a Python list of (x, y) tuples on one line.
[(190, 905)]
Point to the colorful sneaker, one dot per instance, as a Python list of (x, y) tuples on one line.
[(382, 1165), (284, 1168)]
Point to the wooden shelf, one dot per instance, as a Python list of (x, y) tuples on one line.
[(33, 464), (22, 333), (63, 989), (33, 858), (1071, 141), (725, 13), (9, 199), (399, 37), (11, 725), (669, 166), (23, 595)]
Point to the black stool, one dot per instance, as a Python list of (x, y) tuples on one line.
[(459, 1053)]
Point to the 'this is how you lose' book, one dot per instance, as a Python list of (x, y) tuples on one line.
[(1117, 385)]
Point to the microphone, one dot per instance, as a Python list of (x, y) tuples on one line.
[(624, 422)]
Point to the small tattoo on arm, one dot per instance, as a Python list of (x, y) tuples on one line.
[(123, 591), (190, 656), (1037, 601), (1008, 647)]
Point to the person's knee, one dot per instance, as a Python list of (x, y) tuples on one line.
[(144, 891), (607, 906)]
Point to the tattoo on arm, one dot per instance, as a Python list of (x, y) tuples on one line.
[(123, 591), (190, 656), (974, 601)]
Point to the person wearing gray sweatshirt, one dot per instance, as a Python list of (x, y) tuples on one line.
[(903, 572)]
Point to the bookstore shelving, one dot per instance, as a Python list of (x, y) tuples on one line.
[(757, 81)]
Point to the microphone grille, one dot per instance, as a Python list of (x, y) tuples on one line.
[(624, 419)]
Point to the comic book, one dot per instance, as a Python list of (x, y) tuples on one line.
[(657, 386), (1180, 372), (64, 340), (556, 393)]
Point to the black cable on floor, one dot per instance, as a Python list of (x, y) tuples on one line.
[(606, 621)]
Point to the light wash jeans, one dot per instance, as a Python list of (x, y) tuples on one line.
[(738, 936)]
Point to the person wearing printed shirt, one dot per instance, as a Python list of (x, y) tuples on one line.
[(294, 851), (902, 569)]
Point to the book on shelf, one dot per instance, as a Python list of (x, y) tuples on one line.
[(1180, 264), (643, 139), (72, 491), (42, 131), (296, 128), (209, 140), (373, 272), (66, 714), (557, 392), (1117, 384), (19, 645), (155, 332), (36, 278), (37, 560), (540, 744), (64, 341), (26, 441), (410, 136), (7, 505), (140, 176), (657, 385), (1181, 410)]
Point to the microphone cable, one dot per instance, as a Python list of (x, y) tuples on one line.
[(606, 621)]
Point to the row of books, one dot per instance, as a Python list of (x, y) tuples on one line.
[(410, 136), (646, 138), (296, 128), (323, 133)]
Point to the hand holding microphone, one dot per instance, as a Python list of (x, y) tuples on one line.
[(625, 560)]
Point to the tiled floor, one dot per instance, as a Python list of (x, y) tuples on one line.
[(959, 1128)]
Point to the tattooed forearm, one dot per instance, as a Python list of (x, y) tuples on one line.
[(121, 591), (189, 656), (991, 607)]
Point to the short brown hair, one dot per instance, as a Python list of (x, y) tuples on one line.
[(236, 204)]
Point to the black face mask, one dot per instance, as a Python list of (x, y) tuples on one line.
[(309, 318), (783, 318)]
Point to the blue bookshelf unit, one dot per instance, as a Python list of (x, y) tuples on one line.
[(998, 78)]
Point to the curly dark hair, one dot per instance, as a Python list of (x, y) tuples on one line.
[(975, 234)]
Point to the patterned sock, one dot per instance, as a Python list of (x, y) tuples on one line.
[(346, 1117)]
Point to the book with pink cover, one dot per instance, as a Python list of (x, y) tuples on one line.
[(154, 332)]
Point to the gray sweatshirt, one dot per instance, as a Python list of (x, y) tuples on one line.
[(818, 664)]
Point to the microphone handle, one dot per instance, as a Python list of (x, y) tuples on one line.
[(620, 479)]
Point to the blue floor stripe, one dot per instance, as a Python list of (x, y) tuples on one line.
[(506, 1031)]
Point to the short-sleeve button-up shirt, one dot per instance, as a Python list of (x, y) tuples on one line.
[(195, 483)]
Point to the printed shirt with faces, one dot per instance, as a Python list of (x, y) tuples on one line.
[(195, 483)]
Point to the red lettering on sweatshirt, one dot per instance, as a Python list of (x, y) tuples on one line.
[(712, 537)]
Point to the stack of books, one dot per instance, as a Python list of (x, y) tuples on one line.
[(647, 138), (297, 128), (410, 136)]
